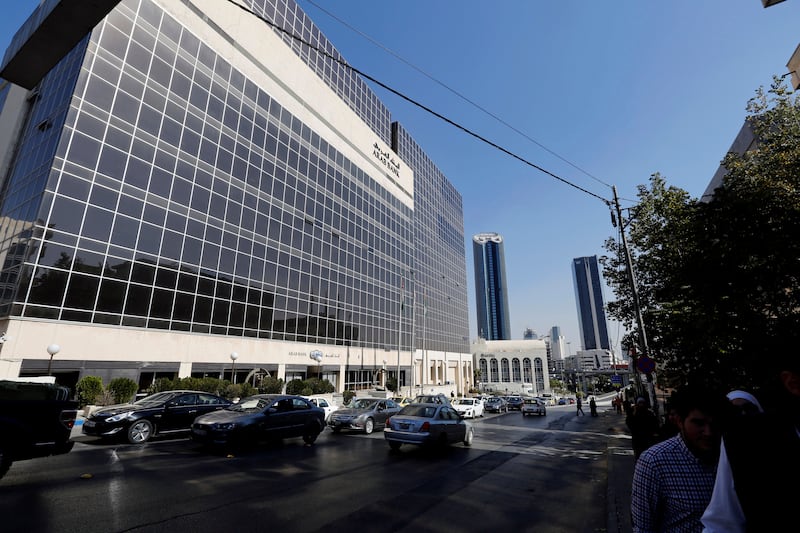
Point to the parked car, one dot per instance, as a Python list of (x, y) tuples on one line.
[(427, 424), (534, 406), (469, 407), (562, 401), (258, 418), (514, 402), (162, 412), (402, 401), (495, 404), (323, 404), (36, 420), (363, 414), (439, 399)]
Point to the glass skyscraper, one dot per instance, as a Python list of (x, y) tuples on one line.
[(193, 179), (591, 308), (491, 288)]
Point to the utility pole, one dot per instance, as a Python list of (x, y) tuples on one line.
[(636, 307)]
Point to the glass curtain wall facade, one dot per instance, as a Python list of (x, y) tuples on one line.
[(491, 288), (591, 307), (155, 185)]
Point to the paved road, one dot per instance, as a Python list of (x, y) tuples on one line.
[(543, 474)]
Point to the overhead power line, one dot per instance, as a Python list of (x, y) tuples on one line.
[(422, 106), (458, 94)]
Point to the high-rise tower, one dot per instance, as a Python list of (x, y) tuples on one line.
[(589, 298), (491, 289)]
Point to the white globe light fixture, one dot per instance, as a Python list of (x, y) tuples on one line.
[(234, 357), (52, 350)]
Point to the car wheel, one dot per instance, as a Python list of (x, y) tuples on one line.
[(394, 445), (310, 438), (369, 426), (468, 437), (5, 460), (336, 429), (140, 432)]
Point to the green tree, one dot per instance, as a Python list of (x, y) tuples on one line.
[(89, 388), (715, 277)]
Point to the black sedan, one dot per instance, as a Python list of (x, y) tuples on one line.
[(515, 402), (260, 417), (162, 412)]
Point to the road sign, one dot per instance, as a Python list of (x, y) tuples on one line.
[(645, 364), (616, 378)]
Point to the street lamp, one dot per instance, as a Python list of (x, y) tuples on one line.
[(316, 355), (234, 357), (52, 350)]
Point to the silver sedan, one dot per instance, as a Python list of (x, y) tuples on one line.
[(427, 424)]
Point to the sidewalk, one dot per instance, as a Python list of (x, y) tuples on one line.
[(620, 468)]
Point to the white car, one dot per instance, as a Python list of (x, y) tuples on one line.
[(323, 404), (469, 407)]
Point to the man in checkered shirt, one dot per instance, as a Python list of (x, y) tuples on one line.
[(673, 480)]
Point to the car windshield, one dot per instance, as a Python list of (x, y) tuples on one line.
[(465, 401), (534, 402), (424, 411), (155, 399), (362, 403), (250, 405), (493, 400)]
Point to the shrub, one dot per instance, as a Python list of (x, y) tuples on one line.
[(89, 388), (295, 386), (271, 385), (122, 389)]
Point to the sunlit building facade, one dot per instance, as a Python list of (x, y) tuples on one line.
[(189, 181)]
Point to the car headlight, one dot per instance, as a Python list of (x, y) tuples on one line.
[(120, 416), (225, 427)]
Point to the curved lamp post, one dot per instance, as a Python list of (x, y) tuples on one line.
[(234, 357), (52, 350)]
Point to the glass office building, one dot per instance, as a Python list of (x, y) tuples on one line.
[(491, 287), (591, 307), (193, 179)]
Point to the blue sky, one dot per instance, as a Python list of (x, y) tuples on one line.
[(618, 90)]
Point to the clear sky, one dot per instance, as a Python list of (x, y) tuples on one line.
[(597, 93)]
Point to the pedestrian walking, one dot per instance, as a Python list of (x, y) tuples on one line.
[(761, 448), (643, 425), (673, 480), (592, 406), (579, 404)]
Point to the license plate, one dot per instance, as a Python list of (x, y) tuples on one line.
[(403, 426), (88, 424), (199, 431)]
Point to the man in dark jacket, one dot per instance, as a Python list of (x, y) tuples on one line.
[(758, 450)]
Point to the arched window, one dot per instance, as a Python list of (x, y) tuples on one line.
[(506, 376), (526, 370), (539, 370), (484, 366), (516, 370), (494, 373)]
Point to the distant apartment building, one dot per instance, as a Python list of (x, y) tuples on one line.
[(184, 180), (491, 287), (589, 299)]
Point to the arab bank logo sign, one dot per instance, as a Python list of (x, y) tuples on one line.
[(316, 355)]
